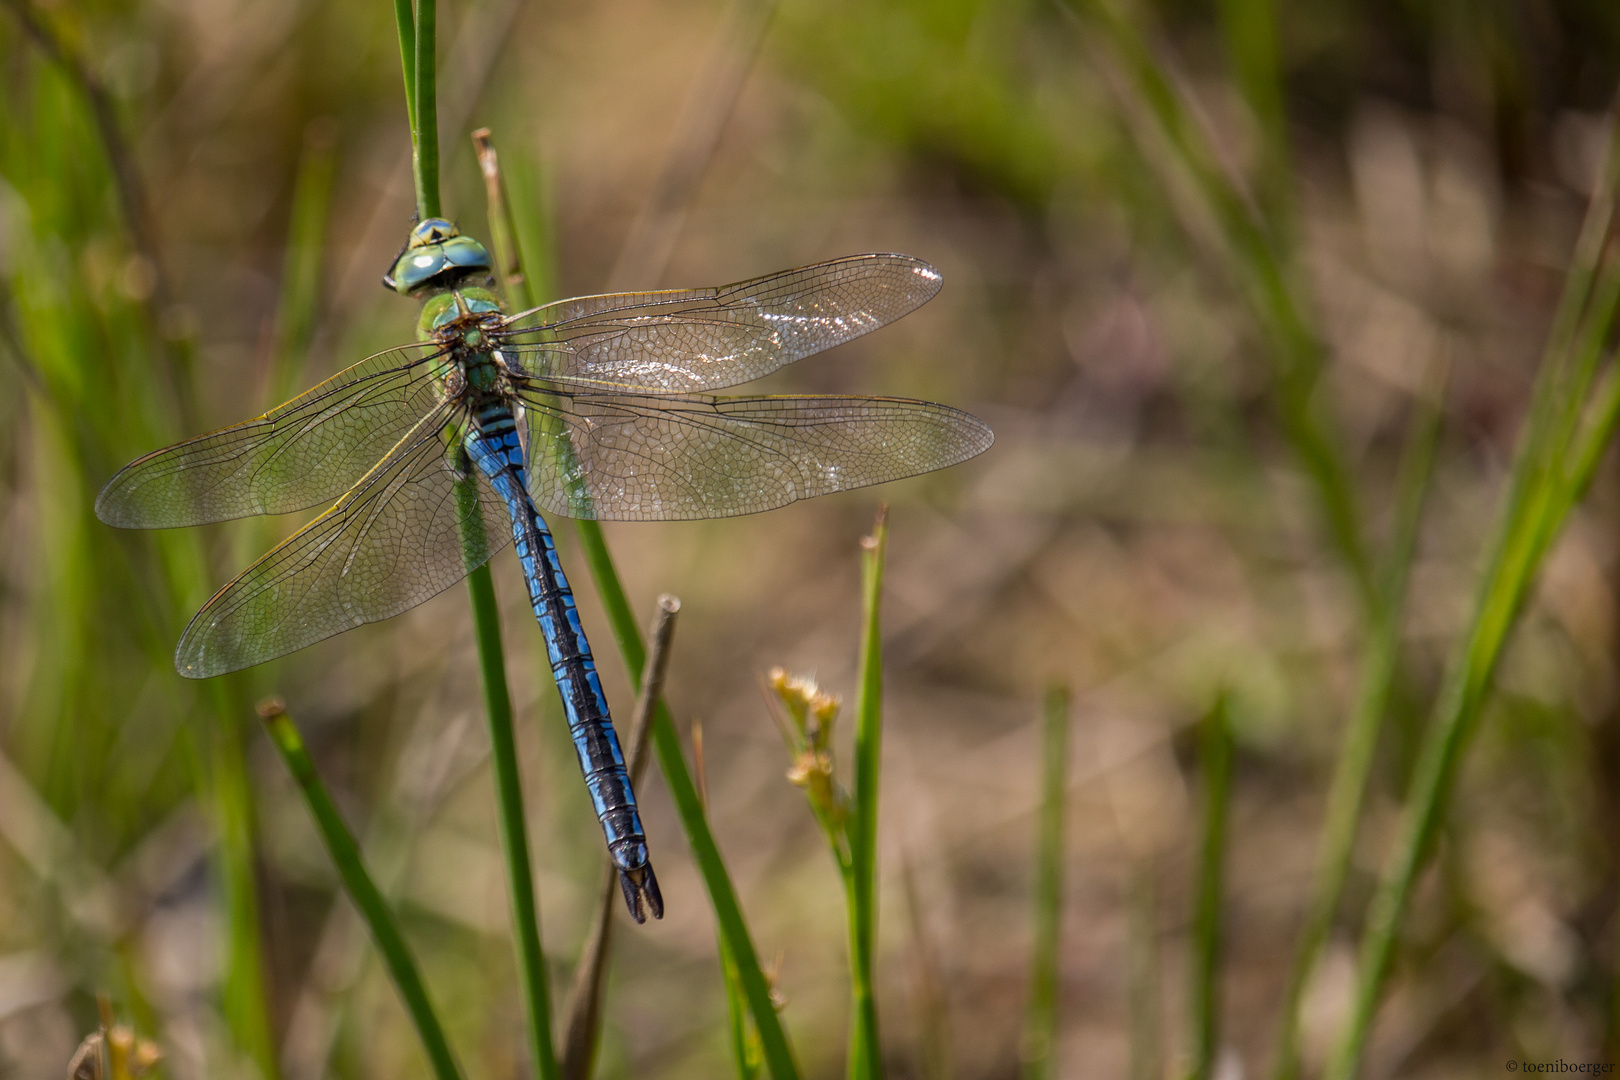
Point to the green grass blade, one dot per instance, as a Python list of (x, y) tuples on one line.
[(722, 895), (246, 1005), (1551, 471), (105, 378), (1348, 789), (368, 900), (743, 1041), (865, 1053), (1215, 761), (1250, 29), (742, 1035), (531, 960), (1041, 1012), (666, 744), (405, 25), (425, 143), (486, 618)]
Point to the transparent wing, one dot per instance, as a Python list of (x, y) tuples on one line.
[(705, 339), (396, 539), (305, 452), (633, 457)]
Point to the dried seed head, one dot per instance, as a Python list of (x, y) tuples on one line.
[(813, 771), (145, 1057)]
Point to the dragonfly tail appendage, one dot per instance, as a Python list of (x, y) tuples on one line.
[(641, 893)]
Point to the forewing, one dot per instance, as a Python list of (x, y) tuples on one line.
[(413, 526), (307, 451), (633, 457), (704, 339)]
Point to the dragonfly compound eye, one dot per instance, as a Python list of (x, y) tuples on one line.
[(443, 264), (432, 231)]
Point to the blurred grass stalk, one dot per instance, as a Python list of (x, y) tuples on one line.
[(128, 387), (1215, 763), (527, 228), (847, 820), (1353, 769), (931, 1025), (357, 882), (1572, 418), (1249, 244), (582, 1029), (1142, 970), (1568, 429), (1041, 1013), (298, 307)]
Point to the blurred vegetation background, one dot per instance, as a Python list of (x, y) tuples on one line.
[(1222, 278)]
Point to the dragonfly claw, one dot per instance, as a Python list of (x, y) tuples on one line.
[(641, 893)]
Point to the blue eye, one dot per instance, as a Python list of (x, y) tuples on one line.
[(437, 256), (433, 231)]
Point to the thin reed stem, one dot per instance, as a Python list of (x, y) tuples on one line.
[(405, 26), (744, 1042), (582, 1030), (531, 961), (865, 1053), (1041, 1012), (503, 752), (666, 744), (502, 230), (531, 958), (425, 129), (245, 1000), (1348, 788), (651, 239), (357, 882), (743, 1037), (1250, 29), (1215, 761), (175, 354)]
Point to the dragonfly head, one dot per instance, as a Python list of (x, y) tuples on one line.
[(435, 257)]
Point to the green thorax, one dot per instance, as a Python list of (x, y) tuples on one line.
[(461, 321), (462, 314)]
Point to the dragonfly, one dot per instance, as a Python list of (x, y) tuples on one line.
[(439, 453)]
